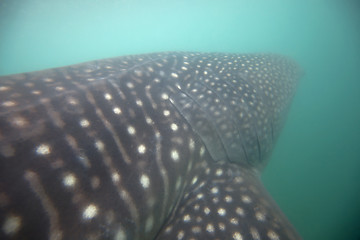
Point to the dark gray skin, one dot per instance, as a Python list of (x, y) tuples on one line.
[(154, 146)]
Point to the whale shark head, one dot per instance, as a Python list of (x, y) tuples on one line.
[(154, 146)]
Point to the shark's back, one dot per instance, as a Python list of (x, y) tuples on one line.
[(154, 146)]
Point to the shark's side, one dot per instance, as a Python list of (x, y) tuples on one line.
[(155, 146)]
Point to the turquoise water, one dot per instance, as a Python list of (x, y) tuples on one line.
[(314, 171)]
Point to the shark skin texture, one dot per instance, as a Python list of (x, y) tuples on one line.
[(156, 146)]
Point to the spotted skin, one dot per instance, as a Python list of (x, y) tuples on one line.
[(155, 146)]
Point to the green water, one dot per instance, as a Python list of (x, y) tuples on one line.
[(314, 171)]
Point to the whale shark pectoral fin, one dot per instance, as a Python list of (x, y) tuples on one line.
[(228, 203)]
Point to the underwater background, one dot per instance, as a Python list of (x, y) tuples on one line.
[(314, 172)]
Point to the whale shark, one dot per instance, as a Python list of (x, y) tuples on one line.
[(158, 146)]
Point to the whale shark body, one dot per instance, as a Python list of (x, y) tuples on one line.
[(155, 146)]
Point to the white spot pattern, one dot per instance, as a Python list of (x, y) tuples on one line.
[(131, 130), (126, 122), (141, 149), (11, 225), (43, 149), (175, 155), (145, 181), (90, 212), (69, 180)]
